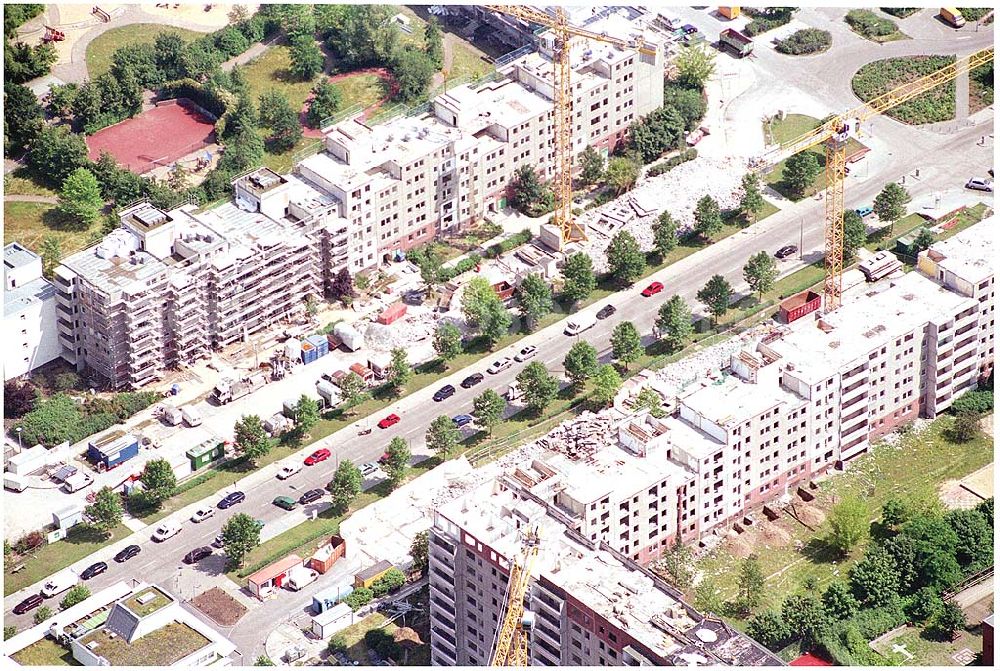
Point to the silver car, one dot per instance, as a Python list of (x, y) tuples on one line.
[(980, 184)]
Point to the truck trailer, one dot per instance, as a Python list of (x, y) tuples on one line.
[(737, 42), (227, 390)]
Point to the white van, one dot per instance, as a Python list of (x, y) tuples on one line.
[(579, 323), (300, 576), (191, 415), (60, 582), (14, 482)]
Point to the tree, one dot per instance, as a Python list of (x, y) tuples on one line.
[(849, 524), (964, 428), (306, 414), (443, 436), (768, 629), (674, 323), (158, 480), (707, 217), (750, 585), (579, 275), (359, 597), (664, 235), (950, 618), (56, 153), (345, 485), (716, 295), (51, 252), (890, 203), (325, 103), (169, 55), (838, 601), (240, 535), (580, 362), (497, 323), (649, 399), (607, 382), (874, 580), (413, 71), (243, 151), (488, 409), (80, 198), (625, 260), (244, 117), (535, 297), (985, 508), (806, 618), (855, 234), (353, 388), (19, 398), (400, 371), (923, 241), (60, 100), (923, 605), (621, 174), (398, 460), (262, 660), (23, 119), (434, 42), (238, 14), (271, 106), (106, 512), (74, 596), (419, 551), (760, 272), (476, 299), (286, 131), (251, 439), (687, 101), (752, 201), (801, 170), (934, 545), (591, 163), (539, 388), (179, 177), (708, 597), (42, 614), (626, 343), (306, 57), (896, 512), (975, 538), (695, 65), (447, 341), (660, 131), (527, 193), (342, 286), (678, 562)]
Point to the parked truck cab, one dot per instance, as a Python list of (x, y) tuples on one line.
[(952, 17)]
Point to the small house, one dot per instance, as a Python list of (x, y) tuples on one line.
[(203, 454), (269, 579), (329, 622), (368, 576)]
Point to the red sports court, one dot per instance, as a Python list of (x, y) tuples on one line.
[(160, 136)]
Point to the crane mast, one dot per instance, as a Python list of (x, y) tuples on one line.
[(510, 647)]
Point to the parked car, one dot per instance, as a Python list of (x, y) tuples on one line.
[(786, 251), (368, 469), (197, 555), (94, 570), (307, 498), (865, 211), (444, 392), (230, 500), (526, 353), (33, 601), (386, 422), (499, 365), (472, 380), (166, 530), (653, 288), (286, 502), (978, 184), (218, 542), (127, 553), (288, 471), (260, 524), (689, 29), (202, 514), (606, 311), (462, 420), (317, 456)]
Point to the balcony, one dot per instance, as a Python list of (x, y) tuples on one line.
[(847, 404)]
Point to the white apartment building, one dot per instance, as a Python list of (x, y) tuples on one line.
[(29, 313)]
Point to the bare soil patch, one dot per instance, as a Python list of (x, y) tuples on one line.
[(221, 608)]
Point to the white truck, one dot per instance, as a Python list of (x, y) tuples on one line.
[(300, 576), (77, 481), (579, 323), (227, 390), (172, 416), (60, 582), (14, 482), (191, 415)]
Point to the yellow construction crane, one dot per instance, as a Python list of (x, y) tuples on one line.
[(510, 647), (562, 101), (834, 134)]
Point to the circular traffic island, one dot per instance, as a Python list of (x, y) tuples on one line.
[(879, 77)]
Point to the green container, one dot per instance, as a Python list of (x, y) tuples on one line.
[(204, 454)]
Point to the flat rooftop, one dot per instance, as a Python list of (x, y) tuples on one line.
[(147, 601), (161, 647), (969, 254), (729, 400), (15, 255), (21, 298), (506, 103), (117, 264)]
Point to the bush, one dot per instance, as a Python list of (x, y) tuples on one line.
[(879, 77), (60, 418), (359, 597), (973, 13), (900, 12), (337, 644), (869, 24), (513, 242), (683, 156), (463, 266), (765, 19), (806, 41), (978, 402)]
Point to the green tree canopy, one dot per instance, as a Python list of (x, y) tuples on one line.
[(800, 171), (607, 382), (106, 512), (158, 480), (664, 235), (750, 584), (707, 217), (535, 297), (716, 295), (760, 272), (400, 370), (345, 485), (591, 163), (752, 201), (306, 414), (447, 341), (488, 409), (580, 362), (621, 174), (306, 57), (251, 439), (413, 71), (626, 343), (625, 260), (398, 460), (443, 436), (240, 535), (579, 275), (674, 323), (855, 234), (325, 103), (890, 203), (80, 198), (538, 387), (695, 65)]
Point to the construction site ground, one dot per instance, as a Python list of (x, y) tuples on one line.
[(912, 466)]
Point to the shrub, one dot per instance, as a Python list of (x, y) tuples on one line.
[(765, 19), (359, 597), (973, 13), (979, 402), (806, 41), (683, 156), (869, 24), (900, 12), (879, 77), (513, 242)]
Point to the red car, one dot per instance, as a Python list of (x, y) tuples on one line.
[(388, 421), (317, 456), (654, 288), (384, 459)]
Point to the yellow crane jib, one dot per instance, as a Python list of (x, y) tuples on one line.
[(510, 647)]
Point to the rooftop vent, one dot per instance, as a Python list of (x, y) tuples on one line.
[(706, 635), (150, 216), (143, 599)]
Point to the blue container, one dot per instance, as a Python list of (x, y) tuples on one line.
[(329, 598), (321, 344)]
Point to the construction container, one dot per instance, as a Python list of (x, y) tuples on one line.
[(327, 555), (113, 449), (799, 305), (392, 313), (329, 392), (329, 598), (293, 348), (729, 12), (329, 622), (205, 453), (349, 336), (737, 42), (309, 353), (370, 575), (321, 344)]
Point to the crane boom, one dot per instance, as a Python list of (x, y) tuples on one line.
[(511, 643)]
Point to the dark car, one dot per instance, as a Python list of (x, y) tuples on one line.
[(688, 29), (472, 380), (33, 601), (606, 311), (94, 570), (311, 496), (127, 553), (197, 554), (462, 420), (786, 251), (232, 500), (444, 392)]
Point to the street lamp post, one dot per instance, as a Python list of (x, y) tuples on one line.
[(19, 446)]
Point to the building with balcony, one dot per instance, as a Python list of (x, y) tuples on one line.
[(29, 313)]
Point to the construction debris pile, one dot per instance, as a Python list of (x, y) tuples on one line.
[(638, 209), (402, 333), (581, 438)]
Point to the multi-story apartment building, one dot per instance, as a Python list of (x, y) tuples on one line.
[(591, 605), (29, 313)]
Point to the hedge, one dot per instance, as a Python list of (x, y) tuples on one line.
[(900, 12), (869, 24), (806, 41), (763, 20), (683, 157), (514, 241), (463, 266)]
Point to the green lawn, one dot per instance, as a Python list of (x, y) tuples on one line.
[(925, 650), (79, 543), (467, 60), (364, 90), (100, 51), (19, 182), (30, 223), (779, 131), (915, 470), (270, 70), (45, 652)]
